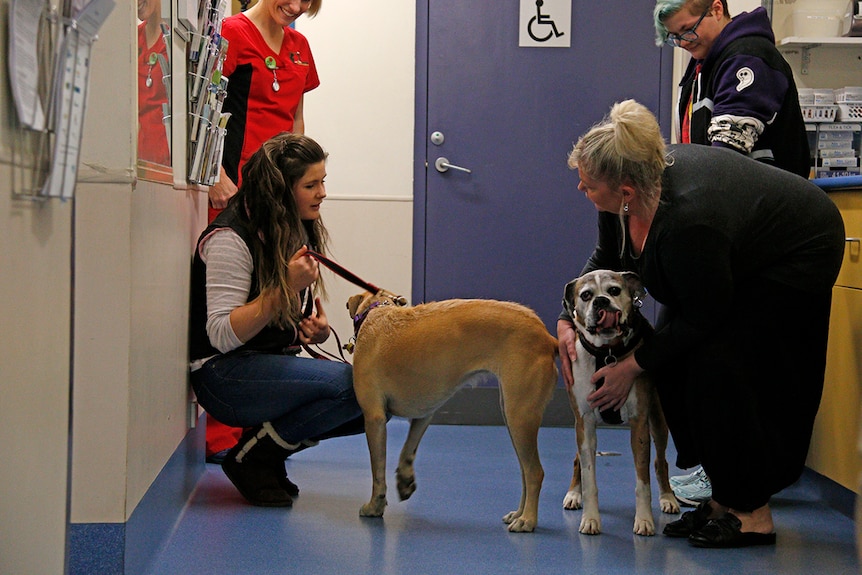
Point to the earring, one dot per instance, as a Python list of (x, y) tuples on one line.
[(626, 207)]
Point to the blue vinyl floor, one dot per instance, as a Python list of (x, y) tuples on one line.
[(468, 478)]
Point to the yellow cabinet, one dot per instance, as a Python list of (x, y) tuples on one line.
[(850, 204), (834, 449)]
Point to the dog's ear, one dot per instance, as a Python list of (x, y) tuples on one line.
[(569, 298), (353, 303), (635, 287)]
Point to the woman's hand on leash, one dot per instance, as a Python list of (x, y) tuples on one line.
[(619, 379), (302, 269), (566, 338), (314, 328)]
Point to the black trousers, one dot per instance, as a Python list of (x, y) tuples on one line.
[(742, 403)]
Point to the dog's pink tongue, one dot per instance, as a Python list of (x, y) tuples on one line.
[(608, 320)]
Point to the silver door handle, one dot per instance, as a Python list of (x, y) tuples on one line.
[(442, 164)]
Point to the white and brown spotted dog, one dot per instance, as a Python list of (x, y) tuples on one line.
[(409, 360), (605, 308)]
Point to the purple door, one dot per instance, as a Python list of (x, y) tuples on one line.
[(515, 227)]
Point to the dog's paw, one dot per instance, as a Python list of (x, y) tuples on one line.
[(644, 526), (590, 525), (520, 524), (572, 500), (406, 485), (511, 516), (373, 508), (668, 503)]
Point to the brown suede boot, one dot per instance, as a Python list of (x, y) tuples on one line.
[(255, 466)]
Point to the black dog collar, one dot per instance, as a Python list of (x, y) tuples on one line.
[(610, 354)]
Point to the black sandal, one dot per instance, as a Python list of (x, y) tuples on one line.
[(690, 522), (725, 533)]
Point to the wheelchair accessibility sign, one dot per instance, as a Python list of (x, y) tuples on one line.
[(545, 24)]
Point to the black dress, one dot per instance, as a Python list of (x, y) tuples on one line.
[(742, 256)]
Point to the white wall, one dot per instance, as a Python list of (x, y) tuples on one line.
[(35, 280), (133, 248), (737, 6), (35, 341), (362, 114)]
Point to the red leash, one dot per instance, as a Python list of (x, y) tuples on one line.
[(343, 272), (352, 278)]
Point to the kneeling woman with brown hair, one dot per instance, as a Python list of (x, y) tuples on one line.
[(253, 306)]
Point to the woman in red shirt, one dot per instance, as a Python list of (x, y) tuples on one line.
[(269, 67)]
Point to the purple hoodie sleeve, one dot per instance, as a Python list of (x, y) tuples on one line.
[(748, 96)]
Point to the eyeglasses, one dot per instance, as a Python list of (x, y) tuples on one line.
[(688, 35)]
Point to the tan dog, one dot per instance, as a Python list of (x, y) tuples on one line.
[(604, 306), (410, 360)]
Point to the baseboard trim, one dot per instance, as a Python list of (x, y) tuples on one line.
[(96, 548), (832, 493)]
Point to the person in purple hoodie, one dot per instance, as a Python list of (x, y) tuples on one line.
[(738, 90)]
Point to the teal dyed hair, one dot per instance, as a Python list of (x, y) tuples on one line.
[(664, 9)]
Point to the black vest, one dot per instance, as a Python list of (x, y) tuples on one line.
[(270, 339), (785, 137)]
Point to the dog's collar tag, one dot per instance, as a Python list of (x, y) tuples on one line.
[(350, 345)]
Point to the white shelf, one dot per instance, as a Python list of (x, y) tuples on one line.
[(806, 44), (821, 41)]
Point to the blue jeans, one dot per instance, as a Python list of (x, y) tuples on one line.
[(302, 398)]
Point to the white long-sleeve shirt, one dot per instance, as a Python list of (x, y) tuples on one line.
[(229, 268)]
